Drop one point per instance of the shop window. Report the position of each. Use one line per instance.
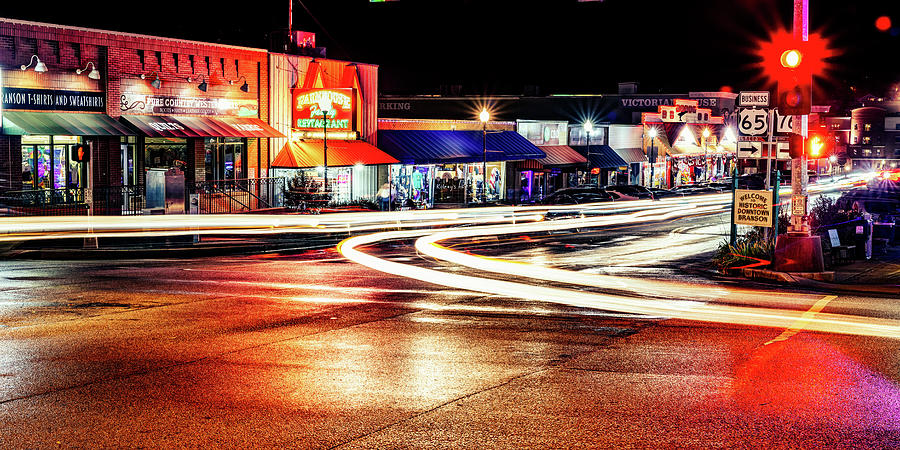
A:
(224, 159)
(165, 153)
(867, 152)
(47, 163)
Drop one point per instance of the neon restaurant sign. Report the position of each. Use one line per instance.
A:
(338, 105)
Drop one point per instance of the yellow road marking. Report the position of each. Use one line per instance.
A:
(804, 319)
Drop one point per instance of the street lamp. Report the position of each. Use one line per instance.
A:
(484, 116)
(325, 106)
(651, 157)
(705, 154)
(588, 127)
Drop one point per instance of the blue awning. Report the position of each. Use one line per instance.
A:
(444, 147)
(601, 156)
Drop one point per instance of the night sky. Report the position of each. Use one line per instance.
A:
(502, 47)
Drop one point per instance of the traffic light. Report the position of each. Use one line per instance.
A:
(795, 86)
(819, 145)
(80, 153)
(816, 146)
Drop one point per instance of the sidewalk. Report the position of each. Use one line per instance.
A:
(879, 275)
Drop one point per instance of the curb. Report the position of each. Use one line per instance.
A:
(819, 280)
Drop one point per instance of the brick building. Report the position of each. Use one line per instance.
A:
(137, 105)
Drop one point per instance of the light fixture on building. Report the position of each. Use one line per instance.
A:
(203, 86)
(156, 83)
(244, 87)
(39, 67)
(94, 74)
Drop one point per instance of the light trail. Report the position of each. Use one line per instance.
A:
(15, 229)
(688, 305)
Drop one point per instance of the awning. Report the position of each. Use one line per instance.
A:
(560, 155)
(201, 127)
(443, 146)
(308, 153)
(632, 155)
(68, 124)
(601, 156)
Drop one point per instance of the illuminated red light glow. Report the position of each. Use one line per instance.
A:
(777, 60)
(883, 23)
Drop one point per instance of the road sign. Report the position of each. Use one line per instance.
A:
(783, 124)
(753, 208)
(782, 153)
(754, 98)
(749, 150)
(798, 205)
(753, 122)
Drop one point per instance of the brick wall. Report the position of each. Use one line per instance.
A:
(121, 58)
(10, 163)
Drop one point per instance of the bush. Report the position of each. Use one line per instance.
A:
(825, 214)
(748, 249)
(303, 193)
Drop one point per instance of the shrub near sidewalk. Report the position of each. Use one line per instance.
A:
(754, 248)
(749, 249)
(303, 193)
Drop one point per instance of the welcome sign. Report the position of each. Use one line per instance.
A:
(339, 108)
(753, 208)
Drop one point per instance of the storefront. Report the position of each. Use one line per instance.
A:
(691, 145)
(451, 167)
(52, 135)
(326, 108)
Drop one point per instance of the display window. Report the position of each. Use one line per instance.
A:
(225, 158)
(165, 153)
(494, 178)
(47, 163)
(414, 185)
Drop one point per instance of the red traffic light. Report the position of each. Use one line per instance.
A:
(791, 59)
(80, 153)
(816, 146)
(819, 145)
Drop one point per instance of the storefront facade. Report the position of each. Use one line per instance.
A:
(447, 163)
(690, 144)
(327, 111)
(138, 104)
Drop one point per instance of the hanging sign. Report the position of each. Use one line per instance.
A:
(338, 104)
(753, 208)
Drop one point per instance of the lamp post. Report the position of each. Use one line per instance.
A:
(588, 127)
(705, 154)
(651, 157)
(484, 116)
(325, 106)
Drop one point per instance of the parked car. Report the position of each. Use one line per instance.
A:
(577, 196)
(665, 193)
(630, 192)
(693, 189)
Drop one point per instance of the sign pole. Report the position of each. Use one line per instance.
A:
(734, 186)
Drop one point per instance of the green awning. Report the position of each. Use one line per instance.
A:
(69, 124)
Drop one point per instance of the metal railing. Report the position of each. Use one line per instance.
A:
(239, 195)
(44, 202)
(107, 201)
(118, 200)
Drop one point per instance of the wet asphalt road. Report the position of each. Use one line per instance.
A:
(309, 350)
